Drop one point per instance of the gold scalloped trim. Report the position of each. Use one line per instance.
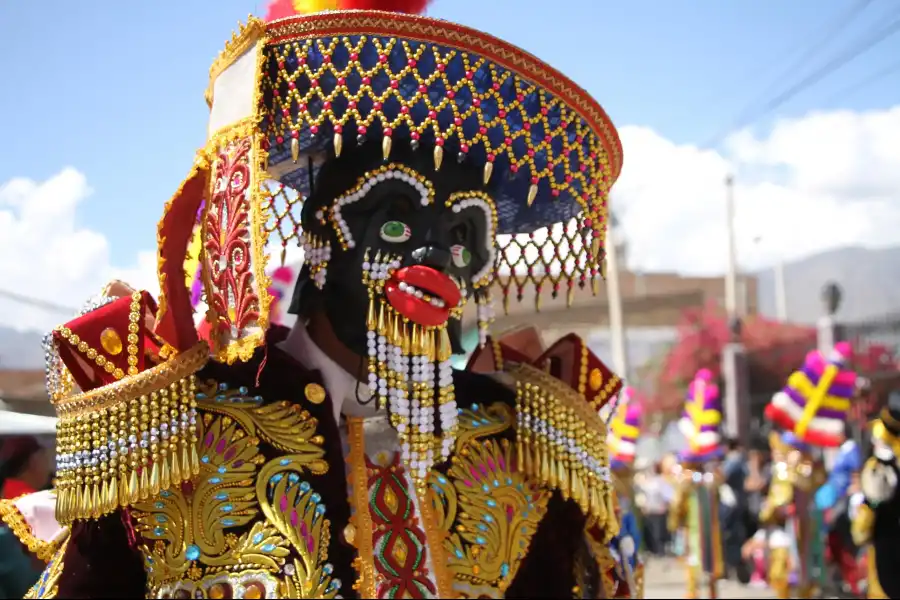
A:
(241, 41)
(15, 520)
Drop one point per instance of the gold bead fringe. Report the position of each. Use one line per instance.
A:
(551, 416)
(127, 441)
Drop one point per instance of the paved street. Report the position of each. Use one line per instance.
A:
(665, 578)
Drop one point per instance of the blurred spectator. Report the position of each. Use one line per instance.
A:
(734, 509)
(655, 496)
(25, 467)
(756, 485)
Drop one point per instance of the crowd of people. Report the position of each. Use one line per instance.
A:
(746, 474)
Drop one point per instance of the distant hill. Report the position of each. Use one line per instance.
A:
(870, 280)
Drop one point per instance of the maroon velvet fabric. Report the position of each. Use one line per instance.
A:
(101, 563)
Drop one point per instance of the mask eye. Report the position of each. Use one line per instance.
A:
(395, 232)
(461, 255)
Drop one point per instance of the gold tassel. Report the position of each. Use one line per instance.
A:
(144, 485)
(195, 460)
(338, 144)
(532, 193)
(386, 147)
(295, 150)
(133, 487)
(438, 157)
(154, 478)
(165, 479)
(488, 170)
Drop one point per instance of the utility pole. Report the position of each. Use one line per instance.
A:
(781, 309)
(614, 300)
(731, 271)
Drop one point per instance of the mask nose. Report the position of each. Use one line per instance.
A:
(432, 256)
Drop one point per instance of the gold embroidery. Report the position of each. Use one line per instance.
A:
(47, 585)
(188, 529)
(495, 512)
(315, 393)
(481, 421)
(361, 520)
(10, 515)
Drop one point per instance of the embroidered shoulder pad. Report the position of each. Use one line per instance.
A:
(27, 523)
(125, 399)
(561, 442)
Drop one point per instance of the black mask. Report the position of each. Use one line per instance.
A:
(390, 219)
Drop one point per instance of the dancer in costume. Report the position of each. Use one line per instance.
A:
(345, 456)
(876, 521)
(695, 506)
(812, 409)
(624, 429)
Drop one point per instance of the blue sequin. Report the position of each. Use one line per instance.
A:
(158, 531)
(482, 527)
(159, 505)
(162, 519)
(193, 552)
(475, 407)
(488, 519)
(228, 522)
(215, 480)
(328, 569)
(204, 459)
(227, 508)
(459, 553)
(293, 478)
(491, 502)
(243, 390)
(165, 494)
(480, 540)
(316, 498)
(257, 398)
(222, 469)
(277, 477)
(504, 570)
(222, 496)
(485, 487)
(257, 538)
(284, 462)
(442, 479)
(320, 509)
(304, 487)
(268, 548)
(496, 483)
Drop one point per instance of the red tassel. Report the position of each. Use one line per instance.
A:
(413, 7)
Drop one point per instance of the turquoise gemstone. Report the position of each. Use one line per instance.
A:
(320, 509)
(228, 522)
(222, 470)
(159, 505)
(221, 398)
(442, 479)
(193, 552)
(227, 508)
(284, 462)
(485, 488)
(222, 496)
(293, 478)
(488, 519)
(162, 519)
(158, 531)
(459, 553)
(165, 494)
(223, 386)
(215, 480)
(243, 390)
(480, 540)
(304, 487)
(316, 498)
(496, 483)
(277, 477)
(475, 407)
(200, 396)
(204, 459)
(257, 538)
(268, 548)
(491, 502)
(328, 569)
(475, 423)
(482, 527)
(504, 569)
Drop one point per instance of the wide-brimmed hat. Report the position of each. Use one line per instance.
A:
(289, 94)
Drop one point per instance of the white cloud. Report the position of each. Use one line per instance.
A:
(46, 256)
(811, 184)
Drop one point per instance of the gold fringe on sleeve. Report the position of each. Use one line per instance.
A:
(123, 442)
(16, 522)
(862, 525)
(561, 442)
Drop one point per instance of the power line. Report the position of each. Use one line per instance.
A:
(35, 303)
(874, 77)
(811, 79)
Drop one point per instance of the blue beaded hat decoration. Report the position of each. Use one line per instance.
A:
(290, 93)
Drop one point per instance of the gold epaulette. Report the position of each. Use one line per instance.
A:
(561, 442)
(126, 441)
(44, 550)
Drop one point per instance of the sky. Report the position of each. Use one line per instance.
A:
(102, 109)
